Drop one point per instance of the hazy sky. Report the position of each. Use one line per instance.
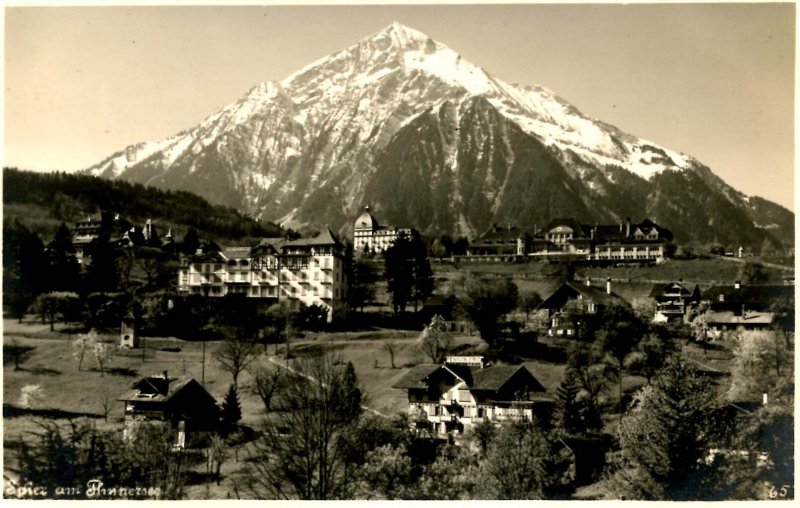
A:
(715, 81)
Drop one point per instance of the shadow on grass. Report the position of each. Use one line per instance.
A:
(122, 371)
(12, 411)
(41, 371)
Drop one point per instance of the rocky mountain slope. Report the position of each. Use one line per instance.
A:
(403, 123)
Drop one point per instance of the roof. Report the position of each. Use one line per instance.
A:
(572, 289)
(572, 223)
(490, 378)
(367, 221)
(236, 252)
(153, 387)
(730, 318)
(326, 237)
(496, 233)
(662, 289)
(750, 295)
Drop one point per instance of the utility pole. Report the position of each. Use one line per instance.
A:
(203, 369)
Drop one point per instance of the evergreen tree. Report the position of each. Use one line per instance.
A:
(664, 440)
(191, 242)
(487, 301)
(23, 268)
(567, 416)
(63, 266)
(408, 273)
(231, 412)
(349, 406)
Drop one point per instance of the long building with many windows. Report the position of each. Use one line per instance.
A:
(308, 271)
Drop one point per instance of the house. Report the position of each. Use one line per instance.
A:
(674, 301)
(573, 305)
(739, 298)
(464, 391)
(369, 236)
(309, 271)
(717, 322)
(501, 243)
(185, 404)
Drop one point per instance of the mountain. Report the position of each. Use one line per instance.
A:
(403, 123)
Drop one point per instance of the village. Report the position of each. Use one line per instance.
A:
(445, 344)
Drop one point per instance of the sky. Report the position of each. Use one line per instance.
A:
(715, 81)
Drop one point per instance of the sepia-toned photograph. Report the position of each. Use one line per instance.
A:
(399, 252)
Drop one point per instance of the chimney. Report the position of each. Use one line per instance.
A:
(764, 399)
(588, 281)
(627, 226)
(166, 375)
(608, 285)
(737, 284)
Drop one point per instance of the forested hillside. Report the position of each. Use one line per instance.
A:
(42, 201)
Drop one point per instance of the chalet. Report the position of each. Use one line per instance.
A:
(717, 322)
(574, 304)
(674, 301)
(464, 391)
(185, 404)
(371, 237)
(739, 298)
(309, 271)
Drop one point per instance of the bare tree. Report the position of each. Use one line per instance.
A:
(301, 453)
(101, 354)
(235, 354)
(83, 343)
(434, 341)
(391, 348)
(268, 382)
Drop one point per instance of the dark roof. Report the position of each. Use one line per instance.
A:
(572, 289)
(367, 221)
(154, 388)
(415, 378)
(661, 289)
(326, 237)
(749, 295)
(499, 233)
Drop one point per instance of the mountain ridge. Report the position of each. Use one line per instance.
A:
(309, 149)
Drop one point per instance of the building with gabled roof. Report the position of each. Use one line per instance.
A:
(464, 391)
(673, 301)
(185, 404)
(584, 300)
(306, 271)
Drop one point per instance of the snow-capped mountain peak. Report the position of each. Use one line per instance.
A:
(405, 121)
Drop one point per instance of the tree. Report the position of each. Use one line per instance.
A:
(522, 464)
(438, 250)
(235, 354)
(751, 273)
(101, 265)
(361, 284)
(84, 342)
(52, 304)
(761, 362)
(30, 396)
(16, 353)
(453, 475)
(385, 474)
(487, 301)
(434, 341)
(191, 242)
(407, 271)
(620, 331)
(231, 412)
(301, 451)
(567, 412)
(24, 267)
(101, 355)
(665, 437)
(529, 301)
(64, 271)
(267, 383)
(650, 354)
(390, 347)
(218, 454)
(594, 376)
(312, 317)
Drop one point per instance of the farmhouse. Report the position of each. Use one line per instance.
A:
(185, 404)
(451, 397)
(574, 304)
(305, 271)
(673, 301)
(369, 236)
